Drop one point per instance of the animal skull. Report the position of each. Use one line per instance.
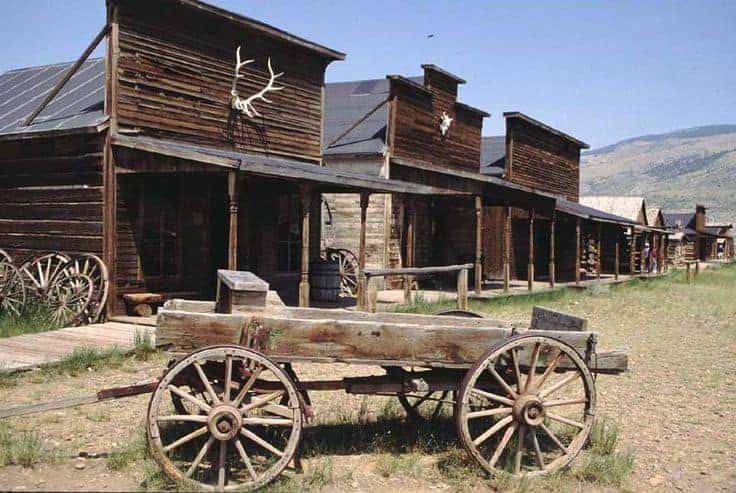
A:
(245, 106)
(445, 123)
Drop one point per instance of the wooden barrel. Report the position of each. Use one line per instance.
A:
(324, 281)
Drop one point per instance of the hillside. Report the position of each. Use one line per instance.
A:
(673, 170)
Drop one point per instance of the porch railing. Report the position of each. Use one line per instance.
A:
(370, 292)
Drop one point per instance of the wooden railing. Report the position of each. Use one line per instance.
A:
(370, 292)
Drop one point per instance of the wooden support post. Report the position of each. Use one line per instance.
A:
(642, 257)
(552, 251)
(632, 252)
(232, 242)
(530, 262)
(599, 247)
(506, 249)
(306, 195)
(478, 278)
(577, 250)
(660, 258)
(618, 256)
(361, 291)
(697, 268)
(410, 234)
(462, 289)
(407, 290)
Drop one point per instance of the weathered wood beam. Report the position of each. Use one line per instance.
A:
(462, 289)
(361, 288)
(530, 263)
(415, 271)
(478, 245)
(552, 250)
(632, 252)
(577, 250)
(506, 248)
(232, 240)
(306, 197)
(72, 70)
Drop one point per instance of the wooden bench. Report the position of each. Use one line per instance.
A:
(143, 304)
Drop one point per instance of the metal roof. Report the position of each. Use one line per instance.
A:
(678, 220)
(628, 207)
(493, 155)
(586, 212)
(80, 104)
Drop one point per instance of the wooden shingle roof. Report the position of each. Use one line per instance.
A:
(628, 207)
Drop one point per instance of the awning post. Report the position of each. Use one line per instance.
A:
(232, 244)
(478, 245)
(361, 288)
(306, 196)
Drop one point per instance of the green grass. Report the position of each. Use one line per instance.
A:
(127, 455)
(33, 319)
(23, 448)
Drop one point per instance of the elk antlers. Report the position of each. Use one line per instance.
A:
(246, 105)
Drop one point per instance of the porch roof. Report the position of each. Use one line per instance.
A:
(586, 212)
(326, 179)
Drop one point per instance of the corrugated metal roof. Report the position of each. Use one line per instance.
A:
(78, 105)
(493, 155)
(628, 207)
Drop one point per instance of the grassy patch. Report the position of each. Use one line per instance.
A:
(23, 448)
(143, 346)
(392, 465)
(84, 359)
(34, 318)
(127, 455)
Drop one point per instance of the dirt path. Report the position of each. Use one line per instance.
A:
(676, 409)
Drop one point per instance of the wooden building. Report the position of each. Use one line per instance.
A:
(691, 238)
(164, 162)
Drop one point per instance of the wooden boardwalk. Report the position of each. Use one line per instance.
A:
(31, 350)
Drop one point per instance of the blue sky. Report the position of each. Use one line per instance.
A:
(602, 71)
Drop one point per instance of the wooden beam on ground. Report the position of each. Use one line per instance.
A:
(306, 196)
(478, 245)
(530, 263)
(72, 70)
(552, 251)
(361, 288)
(577, 250)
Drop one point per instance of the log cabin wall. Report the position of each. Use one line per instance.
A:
(416, 114)
(542, 160)
(51, 195)
(174, 80)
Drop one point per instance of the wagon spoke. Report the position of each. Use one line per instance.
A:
(553, 437)
(565, 420)
(519, 449)
(260, 441)
(502, 382)
(565, 402)
(221, 463)
(202, 452)
(537, 450)
(517, 372)
(206, 382)
(186, 438)
(262, 401)
(185, 395)
(489, 412)
(502, 444)
(228, 377)
(244, 390)
(557, 386)
(246, 460)
(493, 429)
(532, 367)
(268, 421)
(493, 397)
(195, 418)
(548, 371)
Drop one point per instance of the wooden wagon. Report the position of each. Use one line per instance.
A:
(229, 411)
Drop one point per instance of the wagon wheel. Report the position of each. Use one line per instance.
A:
(12, 289)
(426, 406)
(238, 436)
(41, 272)
(5, 257)
(518, 412)
(68, 300)
(348, 264)
(93, 267)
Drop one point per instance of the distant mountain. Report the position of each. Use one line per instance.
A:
(672, 170)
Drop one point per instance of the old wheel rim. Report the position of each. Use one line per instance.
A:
(242, 429)
(68, 299)
(348, 264)
(12, 289)
(41, 273)
(513, 424)
(93, 267)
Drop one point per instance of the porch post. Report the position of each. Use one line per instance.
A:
(232, 244)
(632, 253)
(552, 251)
(506, 248)
(306, 195)
(618, 255)
(599, 267)
(530, 263)
(577, 251)
(361, 302)
(478, 245)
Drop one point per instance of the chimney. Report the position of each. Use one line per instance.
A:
(699, 218)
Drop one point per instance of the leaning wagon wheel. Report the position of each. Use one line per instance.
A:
(93, 267)
(519, 413)
(426, 406)
(69, 298)
(5, 257)
(348, 263)
(41, 272)
(237, 435)
(12, 289)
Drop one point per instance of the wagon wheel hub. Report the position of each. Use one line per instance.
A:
(529, 410)
(224, 422)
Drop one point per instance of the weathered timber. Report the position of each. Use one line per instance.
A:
(414, 271)
(546, 319)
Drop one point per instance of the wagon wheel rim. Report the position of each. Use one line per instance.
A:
(515, 425)
(68, 300)
(12, 289)
(240, 437)
(41, 272)
(427, 406)
(348, 272)
(5, 257)
(92, 266)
